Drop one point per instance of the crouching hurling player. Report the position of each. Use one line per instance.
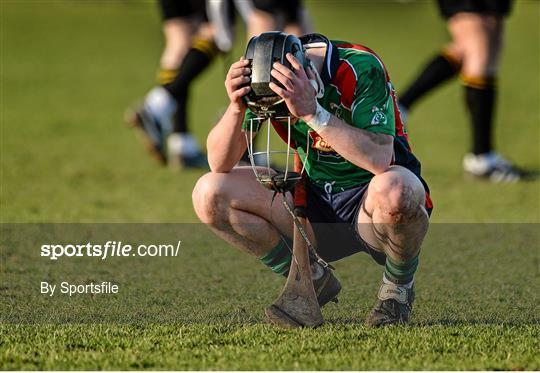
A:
(364, 189)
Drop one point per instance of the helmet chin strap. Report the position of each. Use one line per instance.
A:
(317, 82)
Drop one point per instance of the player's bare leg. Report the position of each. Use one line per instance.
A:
(240, 210)
(478, 40)
(259, 22)
(302, 26)
(393, 220)
(178, 33)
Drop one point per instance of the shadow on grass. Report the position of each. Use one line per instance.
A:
(444, 322)
(529, 175)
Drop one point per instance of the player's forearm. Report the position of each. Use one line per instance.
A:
(368, 150)
(226, 142)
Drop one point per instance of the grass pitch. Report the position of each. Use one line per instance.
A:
(68, 71)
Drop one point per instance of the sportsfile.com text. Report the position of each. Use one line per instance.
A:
(109, 249)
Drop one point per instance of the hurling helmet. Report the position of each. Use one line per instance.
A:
(262, 51)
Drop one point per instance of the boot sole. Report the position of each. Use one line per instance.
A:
(133, 120)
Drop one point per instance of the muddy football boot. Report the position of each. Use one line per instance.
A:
(327, 288)
(184, 152)
(393, 306)
(180, 162)
(150, 130)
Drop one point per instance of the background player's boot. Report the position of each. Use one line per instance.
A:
(197, 160)
(150, 130)
(153, 120)
(492, 166)
(393, 306)
(184, 152)
(327, 288)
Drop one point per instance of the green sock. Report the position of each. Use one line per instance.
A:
(400, 272)
(279, 259)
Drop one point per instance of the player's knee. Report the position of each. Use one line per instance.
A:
(173, 54)
(209, 199)
(478, 68)
(481, 61)
(453, 53)
(397, 194)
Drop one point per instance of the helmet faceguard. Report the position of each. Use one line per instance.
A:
(262, 51)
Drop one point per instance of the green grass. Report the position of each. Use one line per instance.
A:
(344, 347)
(476, 306)
(68, 70)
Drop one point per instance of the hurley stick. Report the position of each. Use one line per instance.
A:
(297, 304)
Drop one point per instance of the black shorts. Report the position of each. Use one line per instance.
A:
(333, 217)
(182, 8)
(290, 9)
(448, 8)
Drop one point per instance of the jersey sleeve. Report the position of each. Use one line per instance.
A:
(372, 108)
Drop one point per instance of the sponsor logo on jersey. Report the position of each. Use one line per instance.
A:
(319, 143)
(324, 152)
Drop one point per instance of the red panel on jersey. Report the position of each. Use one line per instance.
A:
(365, 49)
(282, 131)
(345, 81)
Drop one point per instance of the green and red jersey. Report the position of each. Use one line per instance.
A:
(359, 91)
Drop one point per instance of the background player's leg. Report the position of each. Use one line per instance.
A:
(478, 72)
(439, 69)
(180, 22)
(154, 118)
(481, 38)
(259, 22)
(183, 150)
(178, 32)
(296, 18)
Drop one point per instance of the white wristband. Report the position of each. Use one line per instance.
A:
(319, 122)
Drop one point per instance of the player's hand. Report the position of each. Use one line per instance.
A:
(299, 94)
(238, 76)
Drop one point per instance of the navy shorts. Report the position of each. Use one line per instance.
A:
(289, 9)
(449, 8)
(182, 8)
(333, 217)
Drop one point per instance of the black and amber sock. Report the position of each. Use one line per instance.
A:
(166, 76)
(197, 59)
(441, 68)
(480, 97)
(279, 258)
(400, 272)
